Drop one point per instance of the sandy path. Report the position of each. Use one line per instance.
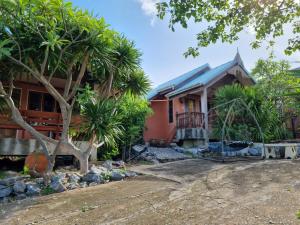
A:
(183, 192)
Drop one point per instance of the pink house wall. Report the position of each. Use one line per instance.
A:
(158, 126)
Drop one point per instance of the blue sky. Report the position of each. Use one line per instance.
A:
(163, 49)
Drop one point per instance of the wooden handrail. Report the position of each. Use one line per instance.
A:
(189, 120)
(41, 121)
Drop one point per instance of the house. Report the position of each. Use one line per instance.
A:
(40, 110)
(180, 106)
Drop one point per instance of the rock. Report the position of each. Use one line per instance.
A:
(9, 181)
(91, 177)
(58, 177)
(73, 178)
(32, 190)
(72, 186)
(39, 181)
(98, 170)
(138, 149)
(173, 145)
(130, 174)
(117, 175)
(119, 164)
(108, 165)
(82, 185)
(57, 186)
(21, 197)
(93, 184)
(19, 187)
(5, 191)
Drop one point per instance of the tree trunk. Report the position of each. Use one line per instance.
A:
(84, 163)
(124, 153)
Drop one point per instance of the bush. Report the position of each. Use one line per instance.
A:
(247, 105)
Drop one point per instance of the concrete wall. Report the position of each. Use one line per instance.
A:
(19, 147)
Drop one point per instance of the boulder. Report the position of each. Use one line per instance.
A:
(108, 165)
(98, 170)
(32, 190)
(119, 164)
(57, 186)
(130, 174)
(5, 191)
(9, 181)
(19, 187)
(91, 177)
(73, 178)
(58, 177)
(117, 175)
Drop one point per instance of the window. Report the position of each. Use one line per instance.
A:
(171, 111)
(48, 103)
(39, 101)
(35, 101)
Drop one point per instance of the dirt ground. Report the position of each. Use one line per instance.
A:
(183, 192)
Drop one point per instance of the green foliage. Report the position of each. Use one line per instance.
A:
(47, 191)
(101, 118)
(241, 123)
(54, 33)
(298, 214)
(25, 170)
(227, 19)
(108, 152)
(135, 83)
(134, 111)
(276, 84)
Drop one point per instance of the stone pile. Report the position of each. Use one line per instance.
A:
(21, 187)
(161, 155)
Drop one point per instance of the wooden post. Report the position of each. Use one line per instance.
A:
(204, 109)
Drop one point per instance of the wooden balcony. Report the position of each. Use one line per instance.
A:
(189, 120)
(41, 121)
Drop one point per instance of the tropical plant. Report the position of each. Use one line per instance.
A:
(278, 85)
(225, 20)
(43, 40)
(243, 112)
(101, 120)
(134, 111)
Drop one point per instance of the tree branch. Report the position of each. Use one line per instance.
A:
(43, 80)
(80, 76)
(43, 66)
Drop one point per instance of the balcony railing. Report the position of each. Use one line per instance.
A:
(41, 121)
(190, 120)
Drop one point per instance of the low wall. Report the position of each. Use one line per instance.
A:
(19, 147)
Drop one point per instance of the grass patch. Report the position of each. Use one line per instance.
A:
(298, 214)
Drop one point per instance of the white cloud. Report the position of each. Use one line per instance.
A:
(149, 8)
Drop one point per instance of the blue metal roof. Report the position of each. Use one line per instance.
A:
(195, 78)
(204, 78)
(171, 84)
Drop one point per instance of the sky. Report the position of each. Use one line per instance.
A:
(163, 49)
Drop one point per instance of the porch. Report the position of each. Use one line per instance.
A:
(190, 127)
